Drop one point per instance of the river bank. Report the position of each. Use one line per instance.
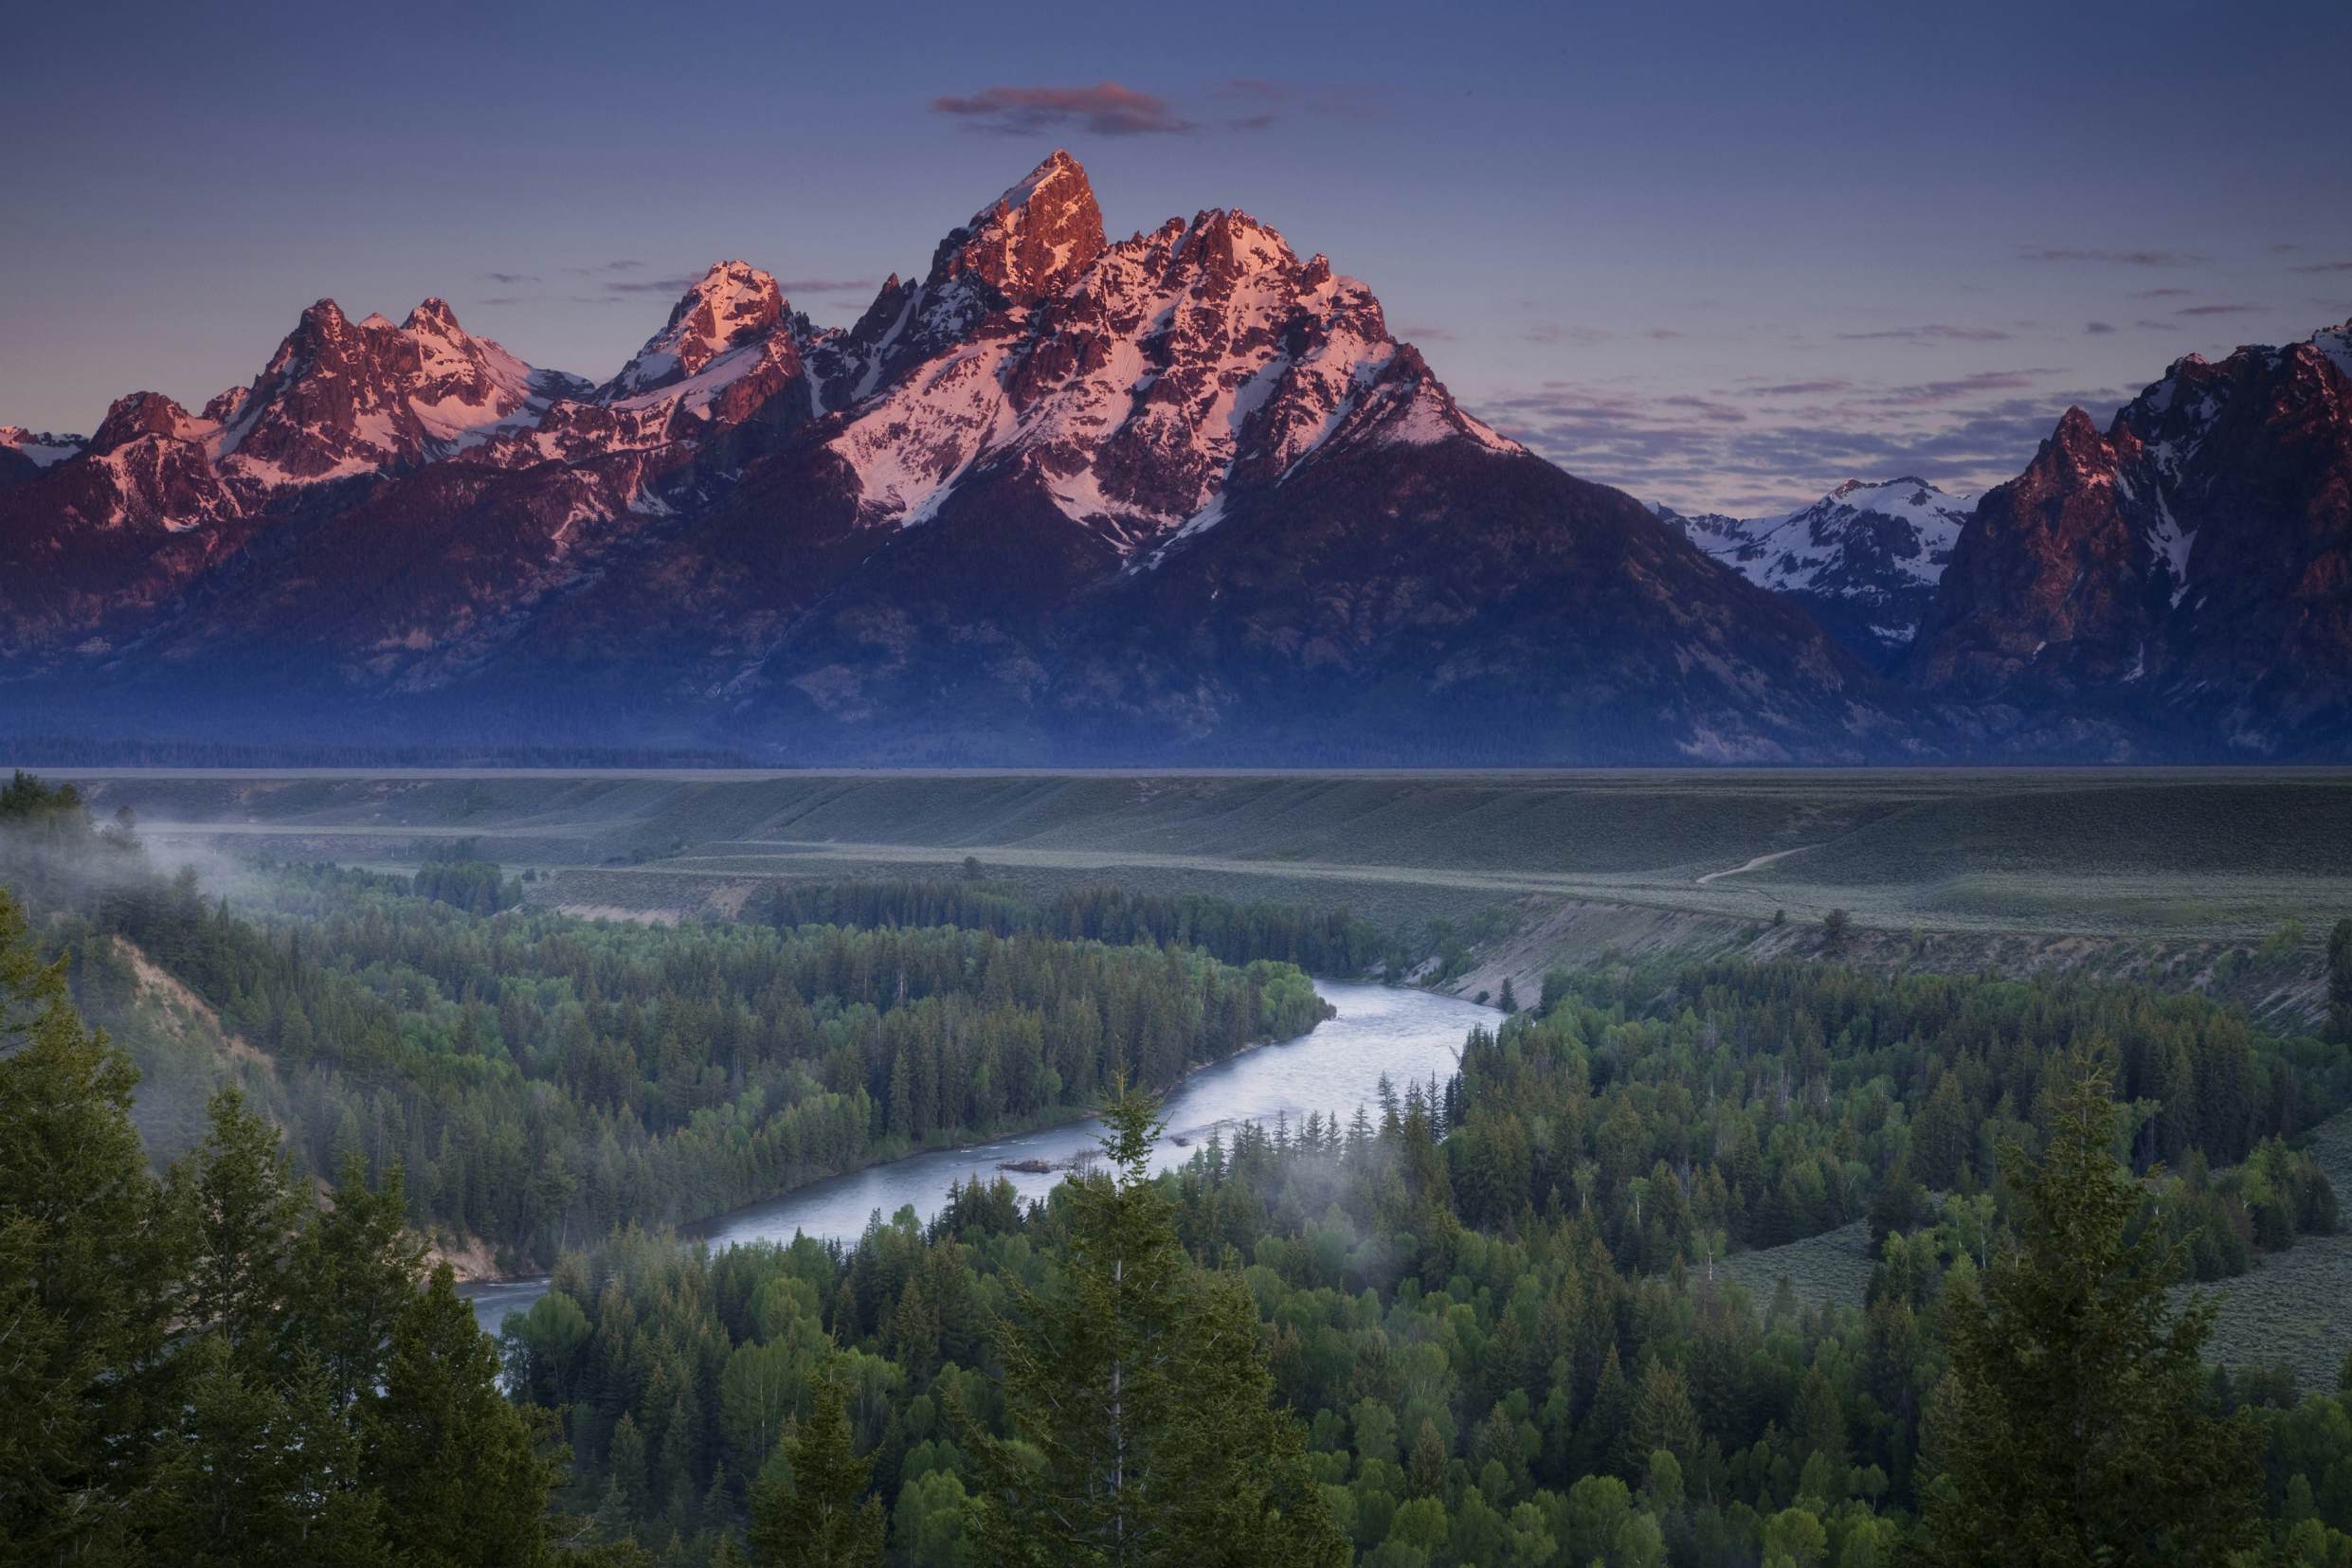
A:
(1397, 1033)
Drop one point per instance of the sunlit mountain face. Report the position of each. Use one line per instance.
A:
(1179, 495)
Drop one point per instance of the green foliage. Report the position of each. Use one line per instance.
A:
(2071, 1428)
(206, 1370)
(543, 1078)
(1837, 931)
(821, 1517)
(1329, 942)
(1139, 1398)
(88, 1263)
(474, 886)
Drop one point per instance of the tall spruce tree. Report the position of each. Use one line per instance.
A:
(89, 1260)
(462, 1479)
(2073, 1428)
(823, 1518)
(1141, 1398)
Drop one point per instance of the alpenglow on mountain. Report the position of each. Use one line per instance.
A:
(1055, 498)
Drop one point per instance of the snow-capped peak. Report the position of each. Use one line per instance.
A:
(1866, 556)
(41, 447)
(145, 414)
(1166, 370)
(1043, 232)
(2335, 343)
(732, 304)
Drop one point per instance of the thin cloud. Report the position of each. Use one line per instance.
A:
(2118, 258)
(1962, 387)
(825, 285)
(510, 278)
(1758, 449)
(2162, 293)
(1106, 109)
(1429, 334)
(1254, 103)
(1546, 332)
(652, 285)
(2220, 310)
(1804, 389)
(1933, 331)
(2099, 328)
(2322, 266)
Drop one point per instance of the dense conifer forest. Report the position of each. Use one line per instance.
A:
(1484, 1322)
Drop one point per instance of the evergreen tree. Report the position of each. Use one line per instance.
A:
(1140, 1393)
(819, 1520)
(2072, 1428)
(244, 1215)
(463, 1480)
(1836, 931)
(355, 1272)
(87, 1258)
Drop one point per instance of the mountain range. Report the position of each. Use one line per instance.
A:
(1177, 497)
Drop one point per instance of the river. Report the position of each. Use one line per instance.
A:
(1409, 1035)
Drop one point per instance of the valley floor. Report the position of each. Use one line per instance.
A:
(2220, 879)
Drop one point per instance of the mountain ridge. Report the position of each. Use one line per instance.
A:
(1170, 498)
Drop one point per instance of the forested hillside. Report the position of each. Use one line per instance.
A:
(544, 1079)
(1500, 1314)
(1486, 1321)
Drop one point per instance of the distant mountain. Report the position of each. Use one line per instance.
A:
(2187, 571)
(1864, 559)
(1181, 495)
(25, 453)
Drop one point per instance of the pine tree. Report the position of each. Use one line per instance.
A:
(88, 1254)
(1836, 931)
(244, 1213)
(463, 1480)
(1662, 1418)
(354, 1273)
(2071, 1428)
(819, 1520)
(1141, 1400)
(1425, 1466)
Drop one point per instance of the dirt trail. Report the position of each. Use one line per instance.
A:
(1759, 860)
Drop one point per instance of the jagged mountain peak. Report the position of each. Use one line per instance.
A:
(2335, 345)
(1164, 369)
(728, 306)
(1043, 231)
(434, 316)
(1864, 559)
(146, 414)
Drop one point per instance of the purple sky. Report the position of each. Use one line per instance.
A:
(1723, 255)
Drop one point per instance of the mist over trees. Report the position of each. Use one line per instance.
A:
(1504, 1318)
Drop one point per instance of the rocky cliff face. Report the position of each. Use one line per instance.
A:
(2188, 569)
(1177, 497)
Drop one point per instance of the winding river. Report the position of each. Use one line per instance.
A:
(1409, 1035)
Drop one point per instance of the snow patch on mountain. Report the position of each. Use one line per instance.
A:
(732, 304)
(41, 447)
